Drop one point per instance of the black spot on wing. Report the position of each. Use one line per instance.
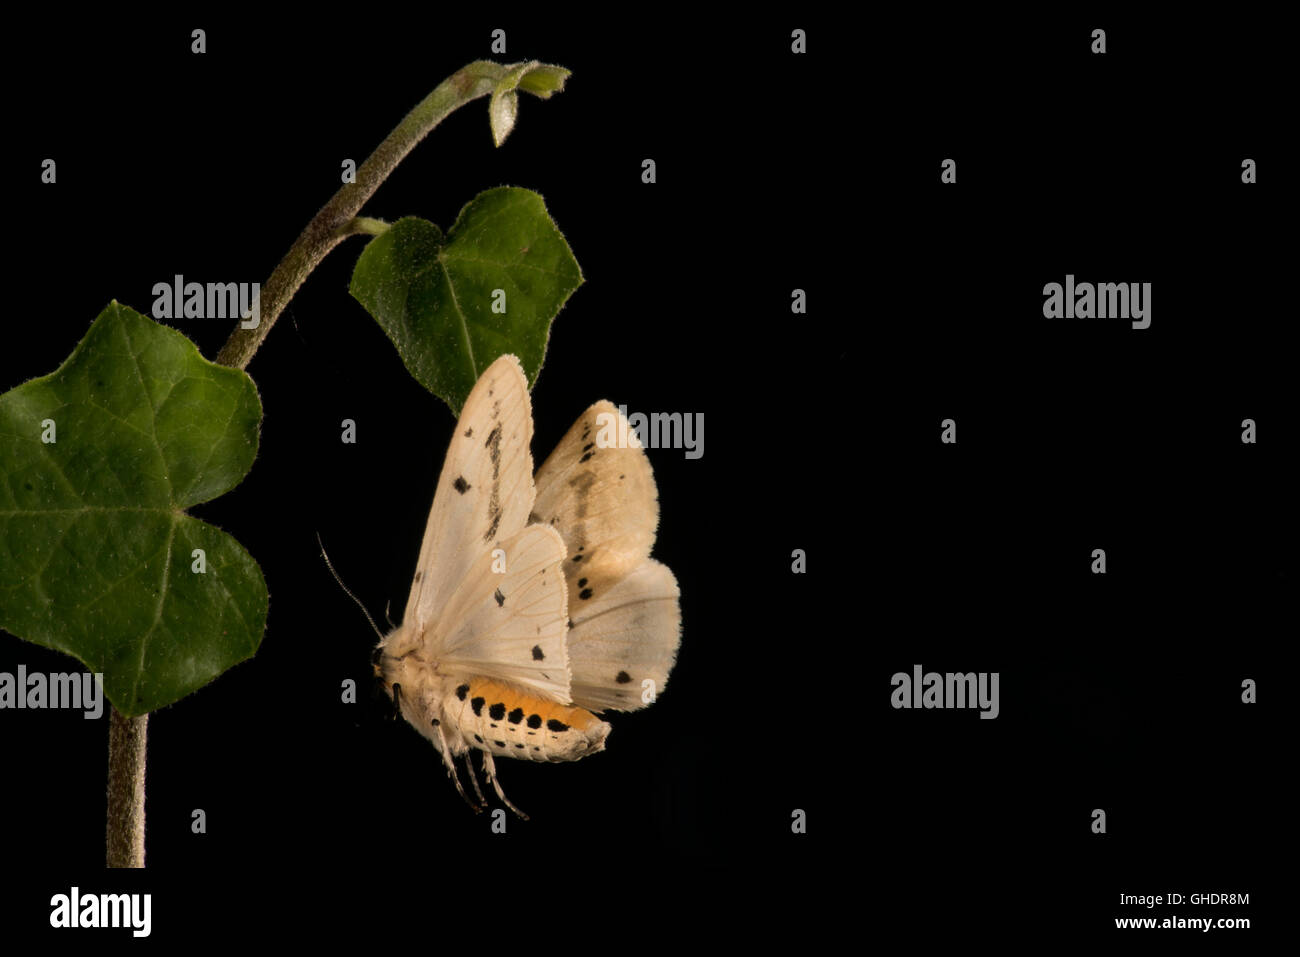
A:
(493, 445)
(537, 653)
(469, 433)
(581, 485)
(501, 599)
(582, 583)
(623, 677)
(585, 594)
(460, 485)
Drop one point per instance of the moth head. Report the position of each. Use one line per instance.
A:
(397, 665)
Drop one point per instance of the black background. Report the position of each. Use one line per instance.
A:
(925, 302)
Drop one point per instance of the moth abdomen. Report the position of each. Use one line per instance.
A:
(504, 720)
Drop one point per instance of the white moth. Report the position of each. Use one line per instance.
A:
(533, 605)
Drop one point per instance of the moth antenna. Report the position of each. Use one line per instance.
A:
(347, 591)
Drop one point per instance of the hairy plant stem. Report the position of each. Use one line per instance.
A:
(335, 221)
(126, 757)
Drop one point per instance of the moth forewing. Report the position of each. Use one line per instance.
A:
(485, 490)
(602, 500)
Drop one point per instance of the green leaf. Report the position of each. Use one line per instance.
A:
(96, 554)
(539, 79)
(434, 295)
(543, 79)
(502, 112)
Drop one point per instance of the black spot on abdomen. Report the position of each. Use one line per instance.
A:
(497, 711)
(477, 705)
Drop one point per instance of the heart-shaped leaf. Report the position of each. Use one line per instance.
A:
(97, 558)
(452, 304)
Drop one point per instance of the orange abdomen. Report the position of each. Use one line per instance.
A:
(499, 718)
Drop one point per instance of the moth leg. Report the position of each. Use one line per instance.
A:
(451, 769)
(397, 700)
(490, 769)
(387, 616)
(469, 769)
